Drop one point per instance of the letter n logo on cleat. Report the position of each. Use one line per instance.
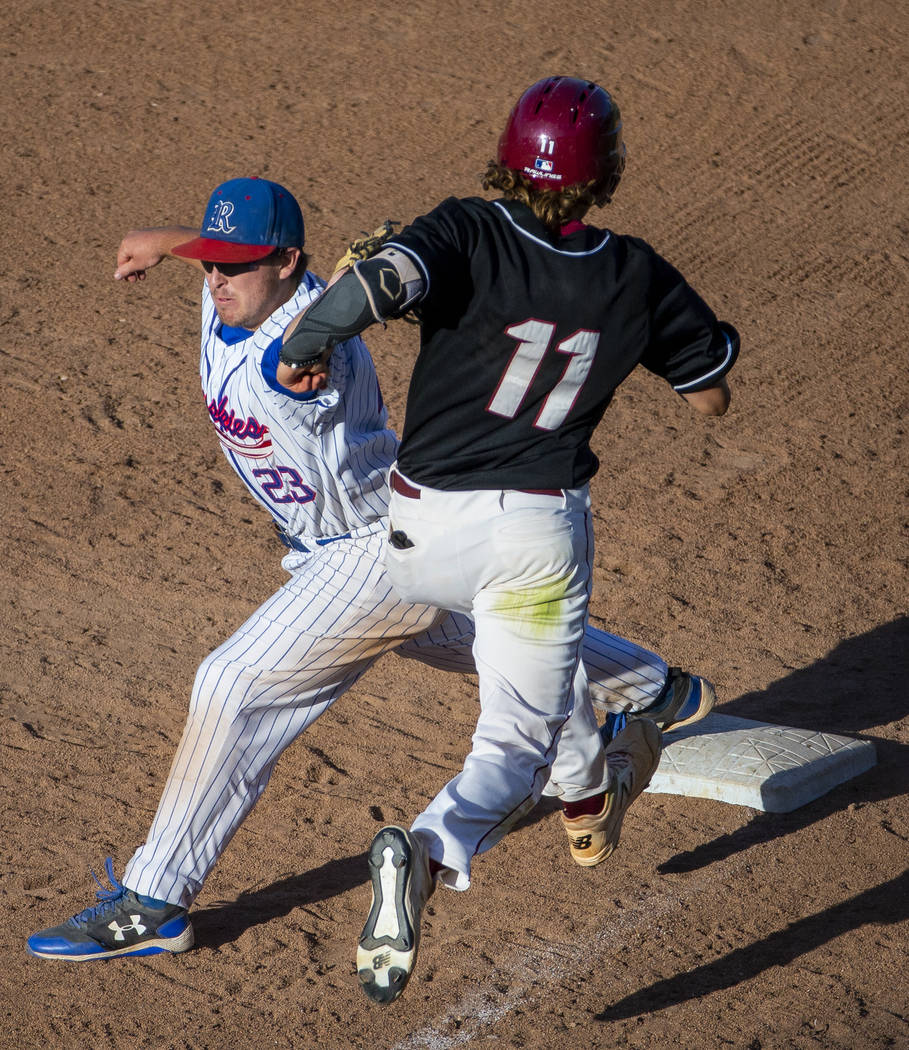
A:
(381, 960)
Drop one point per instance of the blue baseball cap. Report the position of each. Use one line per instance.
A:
(246, 219)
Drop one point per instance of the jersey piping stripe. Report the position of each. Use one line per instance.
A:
(546, 244)
(521, 807)
(720, 369)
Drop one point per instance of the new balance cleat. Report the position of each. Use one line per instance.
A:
(401, 886)
(121, 924)
(632, 758)
(684, 699)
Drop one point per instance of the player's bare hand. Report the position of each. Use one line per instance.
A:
(304, 380)
(140, 250)
(124, 273)
(710, 402)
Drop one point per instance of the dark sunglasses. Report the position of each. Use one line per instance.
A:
(233, 269)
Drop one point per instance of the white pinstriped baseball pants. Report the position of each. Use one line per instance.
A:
(302, 649)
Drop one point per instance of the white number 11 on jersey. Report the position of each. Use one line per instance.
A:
(533, 339)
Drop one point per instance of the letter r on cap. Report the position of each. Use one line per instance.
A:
(220, 221)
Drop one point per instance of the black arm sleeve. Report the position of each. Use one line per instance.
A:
(372, 291)
(339, 313)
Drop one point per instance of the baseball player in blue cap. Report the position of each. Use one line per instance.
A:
(316, 457)
(530, 319)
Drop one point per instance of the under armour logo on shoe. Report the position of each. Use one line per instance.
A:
(381, 960)
(120, 931)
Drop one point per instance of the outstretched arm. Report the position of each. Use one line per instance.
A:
(140, 250)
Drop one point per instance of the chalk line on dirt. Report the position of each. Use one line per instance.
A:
(478, 1012)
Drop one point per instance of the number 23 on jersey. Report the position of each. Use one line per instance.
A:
(284, 485)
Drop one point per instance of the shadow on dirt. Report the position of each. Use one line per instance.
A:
(886, 904)
(861, 684)
(223, 922)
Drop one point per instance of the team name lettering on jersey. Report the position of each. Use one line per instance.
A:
(247, 437)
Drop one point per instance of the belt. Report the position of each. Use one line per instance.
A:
(403, 489)
(296, 545)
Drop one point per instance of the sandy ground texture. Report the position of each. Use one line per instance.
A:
(766, 158)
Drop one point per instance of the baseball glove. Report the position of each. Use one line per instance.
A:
(365, 246)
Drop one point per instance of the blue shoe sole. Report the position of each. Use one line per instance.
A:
(56, 948)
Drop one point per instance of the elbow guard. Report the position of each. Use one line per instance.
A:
(391, 282)
(339, 313)
(375, 289)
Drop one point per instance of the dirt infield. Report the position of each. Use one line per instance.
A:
(766, 549)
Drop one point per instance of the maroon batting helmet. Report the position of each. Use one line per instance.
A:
(564, 131)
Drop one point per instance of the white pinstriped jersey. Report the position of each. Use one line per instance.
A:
(316, 462)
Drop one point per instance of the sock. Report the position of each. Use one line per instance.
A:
(585, 807)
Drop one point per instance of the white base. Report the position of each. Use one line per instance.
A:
(767, 767)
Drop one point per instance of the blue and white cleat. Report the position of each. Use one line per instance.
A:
(123, 923)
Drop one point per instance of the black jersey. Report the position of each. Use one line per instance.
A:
(524, 340)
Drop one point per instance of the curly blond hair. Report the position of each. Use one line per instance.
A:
(554, 208)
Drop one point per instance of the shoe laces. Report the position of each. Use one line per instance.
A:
(613, 725)
(109, 898)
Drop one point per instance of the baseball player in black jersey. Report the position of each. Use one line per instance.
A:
(530, 319)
